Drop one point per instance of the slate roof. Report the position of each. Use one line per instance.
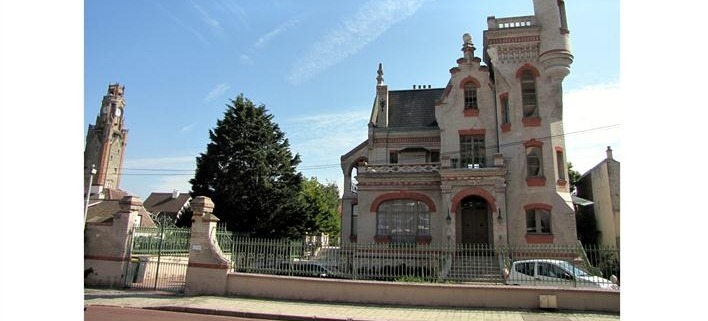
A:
(413, 108)
(163, 202)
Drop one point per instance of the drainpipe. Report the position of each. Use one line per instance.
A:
(496, 121)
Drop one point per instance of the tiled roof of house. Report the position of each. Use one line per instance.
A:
(163, 202)
(102, 211)
(413, 108)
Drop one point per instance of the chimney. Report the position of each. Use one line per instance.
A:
(609, 152)
(175, 193)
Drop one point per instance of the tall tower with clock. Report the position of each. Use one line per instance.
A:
(105, 144)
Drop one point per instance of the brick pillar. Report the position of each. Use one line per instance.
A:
(207, 269)
(107, 246)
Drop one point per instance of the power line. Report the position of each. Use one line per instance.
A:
(335, 165)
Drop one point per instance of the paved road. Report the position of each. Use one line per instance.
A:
(106, 313)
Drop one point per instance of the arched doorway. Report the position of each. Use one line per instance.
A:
(475, 223)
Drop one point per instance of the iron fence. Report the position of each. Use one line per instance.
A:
(478, 263)
(159, 258)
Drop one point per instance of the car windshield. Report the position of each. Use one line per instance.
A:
(569, 267)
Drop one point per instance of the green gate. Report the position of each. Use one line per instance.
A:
(159, 258)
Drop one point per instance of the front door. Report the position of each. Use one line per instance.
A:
(475, 225)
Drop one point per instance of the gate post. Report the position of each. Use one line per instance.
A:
(207, 268)
(107, 246)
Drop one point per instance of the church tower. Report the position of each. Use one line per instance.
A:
(105, 143)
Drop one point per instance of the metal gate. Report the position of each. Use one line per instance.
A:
(159, 258)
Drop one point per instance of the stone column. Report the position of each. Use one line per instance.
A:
(207, 268)
(107, 246)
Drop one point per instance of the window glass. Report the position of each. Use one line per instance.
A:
(472, 150)
(528, 94)
(550, 270)
(538, 221)
(393, 158)
(533, 162)
(525, 268)
(470, 96)
(403, 220)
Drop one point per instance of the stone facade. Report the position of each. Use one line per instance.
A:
(479, 161)
(105, 143)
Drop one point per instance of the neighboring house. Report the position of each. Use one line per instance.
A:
(479, 161)
(102, 211)
(170, 205)
(601, 185)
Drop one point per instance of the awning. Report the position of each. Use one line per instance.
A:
(580, 201)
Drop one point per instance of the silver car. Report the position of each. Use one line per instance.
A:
(553, 273)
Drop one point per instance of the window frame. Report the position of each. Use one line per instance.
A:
(539, 221)
(537, 152)
(403, 220)
(471, 100)
(473, 150)
(529, 94)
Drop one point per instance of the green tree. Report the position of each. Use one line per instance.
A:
(321, 207)
(249, 173)
(574, 176)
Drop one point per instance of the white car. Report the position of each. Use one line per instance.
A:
(553, 273)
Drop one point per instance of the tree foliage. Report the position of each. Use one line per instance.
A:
(321, 207)
(574, 176)
(249, 173)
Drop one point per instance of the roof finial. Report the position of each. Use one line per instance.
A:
(379, 78)
(467, 46)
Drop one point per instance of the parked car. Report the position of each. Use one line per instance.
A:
(310, 269)
(553, 273)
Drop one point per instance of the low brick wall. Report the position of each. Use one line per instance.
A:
(413, 294)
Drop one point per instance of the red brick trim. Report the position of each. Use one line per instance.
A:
(353, 238)
(533, 143)
(559, 149)
(472, 131)
(355, 202)
(474, 191)
(407, 140)
(561, 182)
(528, 67)
(531, 121)
(564, 31)
(461, 60)
(471, 79)
(503, 96)
(514, 40)
(539, 238)
(505, 128)
(106, 258)
(536, 206)
(382, 239)
(454, 70)
(403, 195)
(535, 181)
(471, 112)
(208, 266)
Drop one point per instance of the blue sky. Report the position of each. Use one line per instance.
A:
(313, 64)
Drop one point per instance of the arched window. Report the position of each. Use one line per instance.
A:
(470, 96)
(534, 163)
(528, 94)
(402, 220)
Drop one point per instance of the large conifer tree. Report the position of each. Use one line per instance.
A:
(249, 173)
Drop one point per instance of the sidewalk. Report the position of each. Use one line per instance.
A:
(291, 310)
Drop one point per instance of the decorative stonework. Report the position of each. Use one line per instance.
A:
(394, 168)
(518, 53)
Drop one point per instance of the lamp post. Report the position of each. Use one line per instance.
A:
(88, 190)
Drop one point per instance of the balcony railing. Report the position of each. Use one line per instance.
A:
(400, 168)
(511, 22)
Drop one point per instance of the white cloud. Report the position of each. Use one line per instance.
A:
(187, 128)
(218, 91)
(262, 41)
(184, 25)
(589, 115)
(207, 18)
(245, 59)
(322, 139)
(351, 35)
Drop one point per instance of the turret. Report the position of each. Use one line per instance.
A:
(554, 53)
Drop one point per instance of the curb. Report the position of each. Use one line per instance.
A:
(252, 315)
